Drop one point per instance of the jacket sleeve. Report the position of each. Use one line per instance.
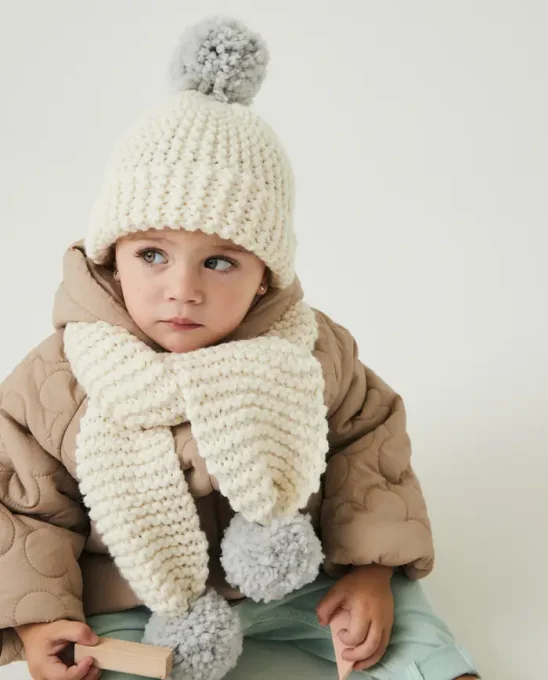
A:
(43, 525)
(373, 510)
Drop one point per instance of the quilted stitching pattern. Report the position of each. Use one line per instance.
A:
(373, 509)
(42, 524)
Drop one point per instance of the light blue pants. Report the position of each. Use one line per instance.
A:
(284, 639)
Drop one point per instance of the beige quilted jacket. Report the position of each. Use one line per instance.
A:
(52, 562)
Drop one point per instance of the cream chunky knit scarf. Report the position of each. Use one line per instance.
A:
(258, 416)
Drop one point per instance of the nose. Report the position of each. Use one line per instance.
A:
(184, 286)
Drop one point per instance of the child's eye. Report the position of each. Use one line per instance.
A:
(152, 256)
(224, 261)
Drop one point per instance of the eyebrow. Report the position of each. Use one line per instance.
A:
(234, 247)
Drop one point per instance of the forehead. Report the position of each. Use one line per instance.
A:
(184, 237)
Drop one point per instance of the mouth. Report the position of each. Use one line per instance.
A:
(182, 324)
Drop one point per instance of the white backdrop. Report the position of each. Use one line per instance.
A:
(418, 136)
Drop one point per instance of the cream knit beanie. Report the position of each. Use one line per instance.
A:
(203, 160)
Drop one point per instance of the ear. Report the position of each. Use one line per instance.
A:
(265, 283)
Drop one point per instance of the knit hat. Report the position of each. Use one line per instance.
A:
(203, 160)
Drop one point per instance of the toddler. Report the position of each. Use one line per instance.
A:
(196, 458)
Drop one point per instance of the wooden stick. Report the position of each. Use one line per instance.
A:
(128, 657)
(339, 622)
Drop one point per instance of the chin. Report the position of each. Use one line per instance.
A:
(181, 347)
(179, 344)
(190, 341)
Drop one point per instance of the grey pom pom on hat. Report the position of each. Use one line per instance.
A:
(220, 57)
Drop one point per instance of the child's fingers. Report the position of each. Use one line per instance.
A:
(328, 606)
(74, 631)
(376, 656)
(369, 645)
(79, 670)
(358, 627)
(57, 670)
(94, 673)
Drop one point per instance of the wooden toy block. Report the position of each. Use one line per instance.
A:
(128, 657)
(340, 621)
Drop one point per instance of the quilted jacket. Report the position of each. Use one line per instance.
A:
(53, 564)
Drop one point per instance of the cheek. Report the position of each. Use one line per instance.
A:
(233, 300)
(138, 294)
(230, 308)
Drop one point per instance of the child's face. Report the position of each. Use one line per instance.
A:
(172, 275)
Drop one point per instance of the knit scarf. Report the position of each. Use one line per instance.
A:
(257, 413)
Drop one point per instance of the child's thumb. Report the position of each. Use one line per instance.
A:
(80, 633)
(90, 637)
(87, 636)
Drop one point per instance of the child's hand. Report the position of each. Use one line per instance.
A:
(46, 650)
(366, 595)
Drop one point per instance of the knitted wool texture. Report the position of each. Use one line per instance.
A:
(259, 419)
(203, 160)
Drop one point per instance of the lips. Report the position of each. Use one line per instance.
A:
(182, 324)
